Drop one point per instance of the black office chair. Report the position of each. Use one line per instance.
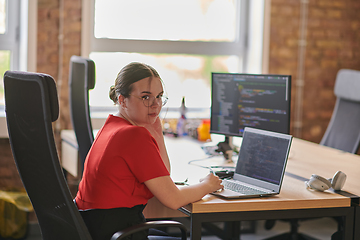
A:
(343, 133)
(31, 104)
(81, 80)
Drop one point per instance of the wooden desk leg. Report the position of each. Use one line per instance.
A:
(195, 227)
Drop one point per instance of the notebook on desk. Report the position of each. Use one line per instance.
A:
(260, 166)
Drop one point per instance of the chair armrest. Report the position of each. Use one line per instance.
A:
(151, 224)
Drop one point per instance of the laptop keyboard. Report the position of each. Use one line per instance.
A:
(237, 186)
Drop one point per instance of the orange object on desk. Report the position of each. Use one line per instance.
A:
(204, 130)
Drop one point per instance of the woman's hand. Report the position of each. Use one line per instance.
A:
(213, 182)
(155, 130)
(173, 197)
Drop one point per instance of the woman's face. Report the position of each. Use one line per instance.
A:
(136, 108)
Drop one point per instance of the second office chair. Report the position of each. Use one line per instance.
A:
(81, 80)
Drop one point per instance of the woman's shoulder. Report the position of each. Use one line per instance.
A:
(135, 130)
(120, 126)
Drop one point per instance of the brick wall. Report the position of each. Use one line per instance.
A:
(9, 177)
(59, 37)
(332, 43)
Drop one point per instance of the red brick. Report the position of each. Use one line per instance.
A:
(329, 63)
(334, 14)
(333, 53)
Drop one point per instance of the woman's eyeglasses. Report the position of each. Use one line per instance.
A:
(150, 100)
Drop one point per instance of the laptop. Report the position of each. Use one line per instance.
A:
(260, 166)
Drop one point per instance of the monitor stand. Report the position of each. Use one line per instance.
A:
(226, 148)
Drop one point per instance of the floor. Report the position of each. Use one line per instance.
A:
(321, 229)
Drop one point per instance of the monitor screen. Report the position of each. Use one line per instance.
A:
(250, 100)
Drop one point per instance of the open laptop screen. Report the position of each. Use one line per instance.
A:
(262, 157)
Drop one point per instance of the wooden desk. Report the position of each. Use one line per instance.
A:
(308, 158)
(317, 157)
(294, 201)
(326, 161)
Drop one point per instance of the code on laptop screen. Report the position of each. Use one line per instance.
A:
(263, 157)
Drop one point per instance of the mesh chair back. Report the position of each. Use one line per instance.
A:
(81, 80)
(31, 104)
(343, 131)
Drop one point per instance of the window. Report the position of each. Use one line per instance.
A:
(9, 39)
(18, 31)
(183, 40)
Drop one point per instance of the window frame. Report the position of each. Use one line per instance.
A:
(27, 48)
(252, 16)
(10, 40)
(166, 47)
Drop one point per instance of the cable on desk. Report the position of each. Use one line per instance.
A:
(210, 167)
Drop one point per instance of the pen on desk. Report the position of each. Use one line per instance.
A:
(212, 171)
(182, 183)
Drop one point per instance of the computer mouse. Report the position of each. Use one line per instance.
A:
(224, 174)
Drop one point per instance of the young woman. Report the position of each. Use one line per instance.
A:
(128, 162)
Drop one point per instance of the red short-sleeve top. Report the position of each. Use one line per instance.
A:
(121, 159)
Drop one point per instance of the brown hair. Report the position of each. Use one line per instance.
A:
(128, 75)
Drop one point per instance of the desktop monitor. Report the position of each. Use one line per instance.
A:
(260, 101)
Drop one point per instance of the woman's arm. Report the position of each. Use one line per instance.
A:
(164, 188)
(173, 197)
(157, 133)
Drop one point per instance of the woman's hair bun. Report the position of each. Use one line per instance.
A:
(112, 94)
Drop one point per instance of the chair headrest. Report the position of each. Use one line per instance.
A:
(89, 66)
(347, 84)
(91, 74)
(43, 79)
